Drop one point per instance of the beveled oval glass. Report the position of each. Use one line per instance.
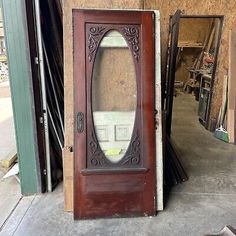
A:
(114, 96)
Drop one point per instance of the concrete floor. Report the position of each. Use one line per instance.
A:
(7, 130)
(202, 205)
(9, 188)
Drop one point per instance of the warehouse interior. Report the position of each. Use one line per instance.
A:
(198, 44)
(196, 64)
(203, 101)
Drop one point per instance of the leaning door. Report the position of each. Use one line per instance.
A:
(171, 67)
(114, 102)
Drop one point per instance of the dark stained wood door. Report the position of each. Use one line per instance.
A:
(171, 68)
(127, 187)
(33, 47)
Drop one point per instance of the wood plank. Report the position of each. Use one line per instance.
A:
(9, 159)
(68, 179)
(190, 44)
(209, 43)
(231, 87)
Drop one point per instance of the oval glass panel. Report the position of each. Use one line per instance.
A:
(114, 96)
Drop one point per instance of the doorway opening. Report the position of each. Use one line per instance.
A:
(207, 160)
(196, 61)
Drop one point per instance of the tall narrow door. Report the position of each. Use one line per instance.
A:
(171, 68)
(114, 102)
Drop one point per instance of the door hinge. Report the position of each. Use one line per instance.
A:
(155, 202)
(41, 120)
(156, 119)
(36, 60)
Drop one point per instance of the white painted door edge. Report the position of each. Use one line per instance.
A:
(159, 143)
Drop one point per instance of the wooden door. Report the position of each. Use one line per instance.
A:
(171, 67)
(114, 145)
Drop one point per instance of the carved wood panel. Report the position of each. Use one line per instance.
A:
(94, 35)
(96, 32)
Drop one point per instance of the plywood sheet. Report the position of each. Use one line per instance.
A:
(193, 30)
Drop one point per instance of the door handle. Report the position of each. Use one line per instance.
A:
(80, 122)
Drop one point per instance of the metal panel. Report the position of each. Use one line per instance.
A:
(22, 94)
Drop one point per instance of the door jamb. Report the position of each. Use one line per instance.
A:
(221, 17)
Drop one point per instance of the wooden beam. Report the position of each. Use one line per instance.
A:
(9, 159)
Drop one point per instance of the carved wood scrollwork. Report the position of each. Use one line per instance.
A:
(132, 156)
(132, 35)
(95, 34)
(98, 159)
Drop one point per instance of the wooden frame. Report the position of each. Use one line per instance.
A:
(221, 17)
(18, 52)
